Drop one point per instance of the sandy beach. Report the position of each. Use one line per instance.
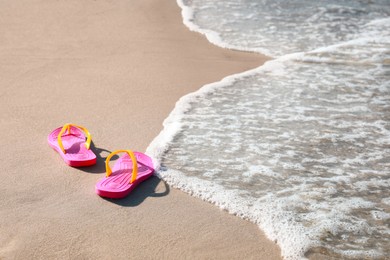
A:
(117, 68)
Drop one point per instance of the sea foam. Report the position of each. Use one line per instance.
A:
(300, 146)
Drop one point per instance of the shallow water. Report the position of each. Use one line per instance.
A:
(301, 145)
(280, 27)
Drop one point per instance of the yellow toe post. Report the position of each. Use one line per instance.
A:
(67, 127)
(133, 159)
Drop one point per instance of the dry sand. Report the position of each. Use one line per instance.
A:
(117, 68)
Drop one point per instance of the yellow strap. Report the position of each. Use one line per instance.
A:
(67, 127)
(133, 159)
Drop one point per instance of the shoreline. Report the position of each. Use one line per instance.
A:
(117, 69)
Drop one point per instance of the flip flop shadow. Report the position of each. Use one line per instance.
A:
(144, 190)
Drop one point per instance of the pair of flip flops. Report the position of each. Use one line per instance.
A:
(73, 143)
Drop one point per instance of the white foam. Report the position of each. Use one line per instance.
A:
(293, 238)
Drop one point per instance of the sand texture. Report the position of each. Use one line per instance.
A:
(117, 68)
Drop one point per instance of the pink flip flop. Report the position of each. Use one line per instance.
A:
(72, 145)
(123, 177)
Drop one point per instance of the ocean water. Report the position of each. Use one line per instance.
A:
(301, 145)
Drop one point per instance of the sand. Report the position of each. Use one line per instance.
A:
(117, 68)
